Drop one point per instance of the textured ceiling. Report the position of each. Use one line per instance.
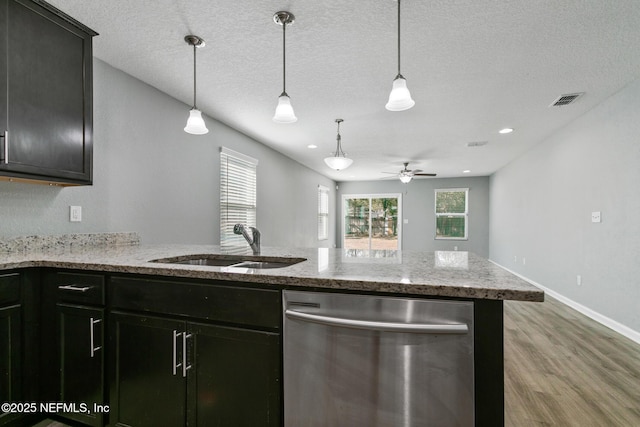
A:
(473, 67)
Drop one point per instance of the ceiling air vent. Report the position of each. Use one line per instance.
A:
(566, 99)
(477, 143)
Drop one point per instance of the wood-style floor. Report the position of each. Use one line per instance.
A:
(565, 369)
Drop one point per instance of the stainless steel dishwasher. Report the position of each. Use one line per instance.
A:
(371, 361)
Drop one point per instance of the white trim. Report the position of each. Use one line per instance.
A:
(244, 157)
(603, 320)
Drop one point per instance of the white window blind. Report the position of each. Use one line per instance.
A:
(237, 197)
(323, 212)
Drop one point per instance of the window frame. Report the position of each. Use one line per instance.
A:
(464, 215)
(323, 217)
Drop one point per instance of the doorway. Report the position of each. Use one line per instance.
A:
(371, 222)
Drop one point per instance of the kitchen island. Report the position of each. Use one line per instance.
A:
(116, 286)
(455, 274)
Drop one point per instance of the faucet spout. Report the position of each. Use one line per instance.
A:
(253, 239)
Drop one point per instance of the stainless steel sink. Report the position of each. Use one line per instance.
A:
(235, 261)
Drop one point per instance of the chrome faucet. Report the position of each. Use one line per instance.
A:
(253, 240)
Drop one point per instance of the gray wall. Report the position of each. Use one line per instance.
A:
(153, 178)
(541, 207)
(418, 206)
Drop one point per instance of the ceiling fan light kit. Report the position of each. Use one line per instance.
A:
(400, 97)
(284, 110)
(406, 175)
(195, 123)
(339, 160)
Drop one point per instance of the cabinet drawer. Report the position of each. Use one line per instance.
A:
(9, 288)
(216, 302)
(80, 288)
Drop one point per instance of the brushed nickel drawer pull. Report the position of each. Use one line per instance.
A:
(76, 288)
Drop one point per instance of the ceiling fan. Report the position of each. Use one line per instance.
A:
(406, 175)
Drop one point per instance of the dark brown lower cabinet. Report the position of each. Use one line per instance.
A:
(10, 354)
(175, 372)
(10, 343)
(82, 361)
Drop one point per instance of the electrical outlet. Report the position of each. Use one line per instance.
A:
(515, 258)
(75, 213)
(524, 261)
(595, 217)
(579, 280)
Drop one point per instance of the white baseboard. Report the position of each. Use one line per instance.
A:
(604, 320)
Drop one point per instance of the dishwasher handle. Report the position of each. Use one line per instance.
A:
(418, 328)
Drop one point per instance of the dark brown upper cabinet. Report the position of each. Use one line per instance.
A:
(46, 95)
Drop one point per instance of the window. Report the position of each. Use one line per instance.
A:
(323, 212)
(452, 213)
(237, 197)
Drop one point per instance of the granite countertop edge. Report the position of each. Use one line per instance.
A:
(414, 274)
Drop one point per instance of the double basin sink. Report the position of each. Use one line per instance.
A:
(234, 261)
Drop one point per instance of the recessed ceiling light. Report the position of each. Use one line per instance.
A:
(312, 146)
(466, 171)
(505, 130)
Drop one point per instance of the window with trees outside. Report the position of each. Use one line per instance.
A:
(238, 175)
(323, 212)
(371, 222)
(452, 213)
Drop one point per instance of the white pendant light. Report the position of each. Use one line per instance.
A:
(399, 98)
(339, 160)
(195, 123)
(284, 110)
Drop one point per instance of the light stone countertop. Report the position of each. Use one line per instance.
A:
(441, 273)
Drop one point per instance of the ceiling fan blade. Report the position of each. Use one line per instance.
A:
(416, 171)
(424, 174)
(393, 173)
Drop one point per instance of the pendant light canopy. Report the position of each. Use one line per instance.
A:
(339, 160)
(195, 123)
(284, 110)
(399, 98)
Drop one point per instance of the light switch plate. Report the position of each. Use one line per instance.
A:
(595, 217)
(75, 213)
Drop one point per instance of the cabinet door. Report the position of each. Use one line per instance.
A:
(10, 350)
(147, 386)
(80, 332)
(49, 95)
(234, 378)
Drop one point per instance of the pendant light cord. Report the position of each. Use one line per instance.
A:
(284, 58)
(399, 39)
(338, 140)
(194, 77)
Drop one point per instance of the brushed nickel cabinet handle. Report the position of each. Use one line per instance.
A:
(185, 367)
(176, 365)
(92, 323)
(5, 150)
